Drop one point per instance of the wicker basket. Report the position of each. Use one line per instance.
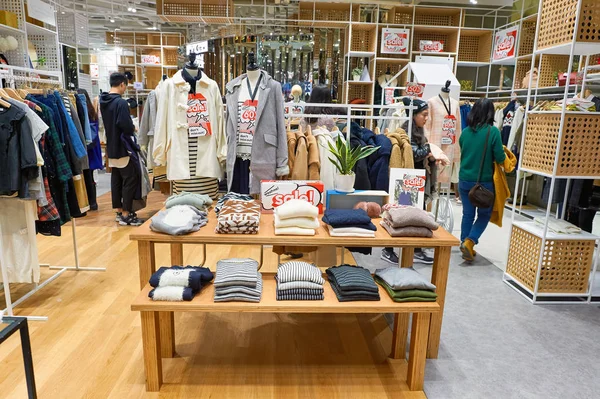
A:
(565, 268)
(579, 149)
(557, 27)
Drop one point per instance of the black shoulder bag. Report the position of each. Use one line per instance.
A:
(480, 196)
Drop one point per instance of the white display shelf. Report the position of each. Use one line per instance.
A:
(506, 61)
(38, 30)
(360, 54)
(565, 49)
(472, 64)
(393, 60)
(360, 82)
(538, 230)
(5, 29)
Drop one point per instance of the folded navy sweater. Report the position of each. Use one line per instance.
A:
(348, 218)
(179, 276)
(352, 278)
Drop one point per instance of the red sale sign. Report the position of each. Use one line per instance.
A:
(415, 89)
(394, 41)
(431, 46)
(505, 43)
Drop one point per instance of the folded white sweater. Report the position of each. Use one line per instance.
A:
(296, 208)
(305, 223)
(293, 231)
(350, 232)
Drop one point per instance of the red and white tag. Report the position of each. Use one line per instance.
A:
(414, 89)
(449, 130)
(197, 116)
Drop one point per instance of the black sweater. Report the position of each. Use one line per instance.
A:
(117, 121)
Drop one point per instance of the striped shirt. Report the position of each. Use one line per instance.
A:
(299, 271)
(198, 185)
(352, 278)
(236, 272)
(240, 294)
(297, 284)
(286, 296)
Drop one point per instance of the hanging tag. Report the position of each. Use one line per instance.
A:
(246, 125)
(388, 96)
(449, 130)
(197, 116)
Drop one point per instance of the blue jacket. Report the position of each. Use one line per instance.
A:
(361, 169)
(379, 162)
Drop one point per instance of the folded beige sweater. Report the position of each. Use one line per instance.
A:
(408, 231)
(305, 223)
(410, 216)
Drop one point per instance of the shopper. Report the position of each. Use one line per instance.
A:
(421, 154)
(473, 147)
(125, 177)
(321, 95)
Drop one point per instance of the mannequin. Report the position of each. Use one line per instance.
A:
(189, 134)
(296, 106)
(382, 80)
(443, 129)
(257, 141)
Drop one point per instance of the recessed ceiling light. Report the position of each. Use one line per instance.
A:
(112, 20)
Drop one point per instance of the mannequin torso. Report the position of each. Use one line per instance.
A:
(252, 78)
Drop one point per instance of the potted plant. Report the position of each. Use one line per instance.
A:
(344, 159)
(356, 73)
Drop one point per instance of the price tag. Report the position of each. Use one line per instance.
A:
(197, 116)
(246, 126)
(449, 129)
(415, 89)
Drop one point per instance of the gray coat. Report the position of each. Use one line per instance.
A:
(269, 157)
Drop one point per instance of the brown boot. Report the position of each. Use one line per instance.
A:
(468, 253)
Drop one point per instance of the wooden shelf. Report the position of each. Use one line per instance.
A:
(204, 302)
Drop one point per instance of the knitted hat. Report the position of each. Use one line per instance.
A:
(420, 104)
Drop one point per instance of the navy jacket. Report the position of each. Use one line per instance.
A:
(379, 162)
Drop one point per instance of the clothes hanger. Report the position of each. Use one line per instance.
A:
(4, 104)
(377, 130)
(13, 94)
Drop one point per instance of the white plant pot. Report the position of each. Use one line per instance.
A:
(356, 78)
(344, 183)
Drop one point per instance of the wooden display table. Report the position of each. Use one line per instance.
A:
(157, 317)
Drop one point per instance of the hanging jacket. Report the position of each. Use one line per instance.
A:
(171, 145)
(327, 170)
(401, 155)
(501, 186)
(299, 167)
(148, 120)
(361, 169)
(379, 162)
(269, 145)
(314, 158)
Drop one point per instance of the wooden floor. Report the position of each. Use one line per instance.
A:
(91, 345)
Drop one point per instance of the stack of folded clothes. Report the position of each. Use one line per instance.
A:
(296, 217)
(238, 217)
(299, 281)
(228, 196)
(179, 219)
(349, 223)
(405, 284)
(408, 222)
(352, 283)
(199, 201)
(178, 283)
(238, 280)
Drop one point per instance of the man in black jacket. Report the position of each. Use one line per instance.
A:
(125, 177)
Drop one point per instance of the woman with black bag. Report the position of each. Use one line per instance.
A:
(480, 146)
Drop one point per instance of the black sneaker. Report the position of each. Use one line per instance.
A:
(422, 257)
(390, 256)
(118, 217)
(130, 220)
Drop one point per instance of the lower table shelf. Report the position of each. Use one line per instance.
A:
(203, 302)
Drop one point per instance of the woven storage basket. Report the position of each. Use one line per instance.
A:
(566, 263)
(579, 150)
(557, 22)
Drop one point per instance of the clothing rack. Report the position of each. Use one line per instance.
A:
(7, 73)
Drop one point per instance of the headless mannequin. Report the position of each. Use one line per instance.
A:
(191, 67)
(385, 78)
(252, 78)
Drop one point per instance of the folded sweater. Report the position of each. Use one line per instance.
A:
(303, 222)
(232, 272)
(240, 294)
(228, 196)
(403, 278)
(296, 208)
(297, 284)
(239, 217)
(350, 232)
(299, 271)
(401, 298)
(408, 231)
(410, 216)
(199, 201)
(293, 231)
(347, 218)
(173, 294)
(178, 276)
(180, 219)
(286, 296)
(353, 296)
(352, 278)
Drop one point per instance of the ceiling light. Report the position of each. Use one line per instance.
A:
(129, 9)
(133, 10)
(62, 12)
(112, 20)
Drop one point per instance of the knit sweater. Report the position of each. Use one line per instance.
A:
(240, 272)
(299, 271)
(200, 201)
(398, 296)
(352, 278)
(472, 143)
(410, 216)
(189, 276)
(409, 231)
(403, 278)
(348, 218)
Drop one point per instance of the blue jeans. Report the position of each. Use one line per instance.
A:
(471, 228)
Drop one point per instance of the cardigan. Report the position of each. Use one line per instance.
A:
(171, 129)
(269, 156)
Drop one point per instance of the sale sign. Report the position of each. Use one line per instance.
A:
(505, 43)
(394, 41)
(431, 46)
(150, 59)
(415, 89)
(274, 193)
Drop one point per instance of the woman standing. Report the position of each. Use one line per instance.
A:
(479, 140)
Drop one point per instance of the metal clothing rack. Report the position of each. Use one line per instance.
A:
(8, 73)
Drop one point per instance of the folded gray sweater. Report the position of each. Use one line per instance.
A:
(410, 216)
(180, 219)
(404, 278)
(199, 201)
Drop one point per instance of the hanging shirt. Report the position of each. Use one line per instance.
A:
(508, 115)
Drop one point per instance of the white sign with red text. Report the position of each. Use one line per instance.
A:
(274, 193)
(505, 43)
(431, 46)
(415, 89)
(407, 187)
(394, 41)
(150, 59)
